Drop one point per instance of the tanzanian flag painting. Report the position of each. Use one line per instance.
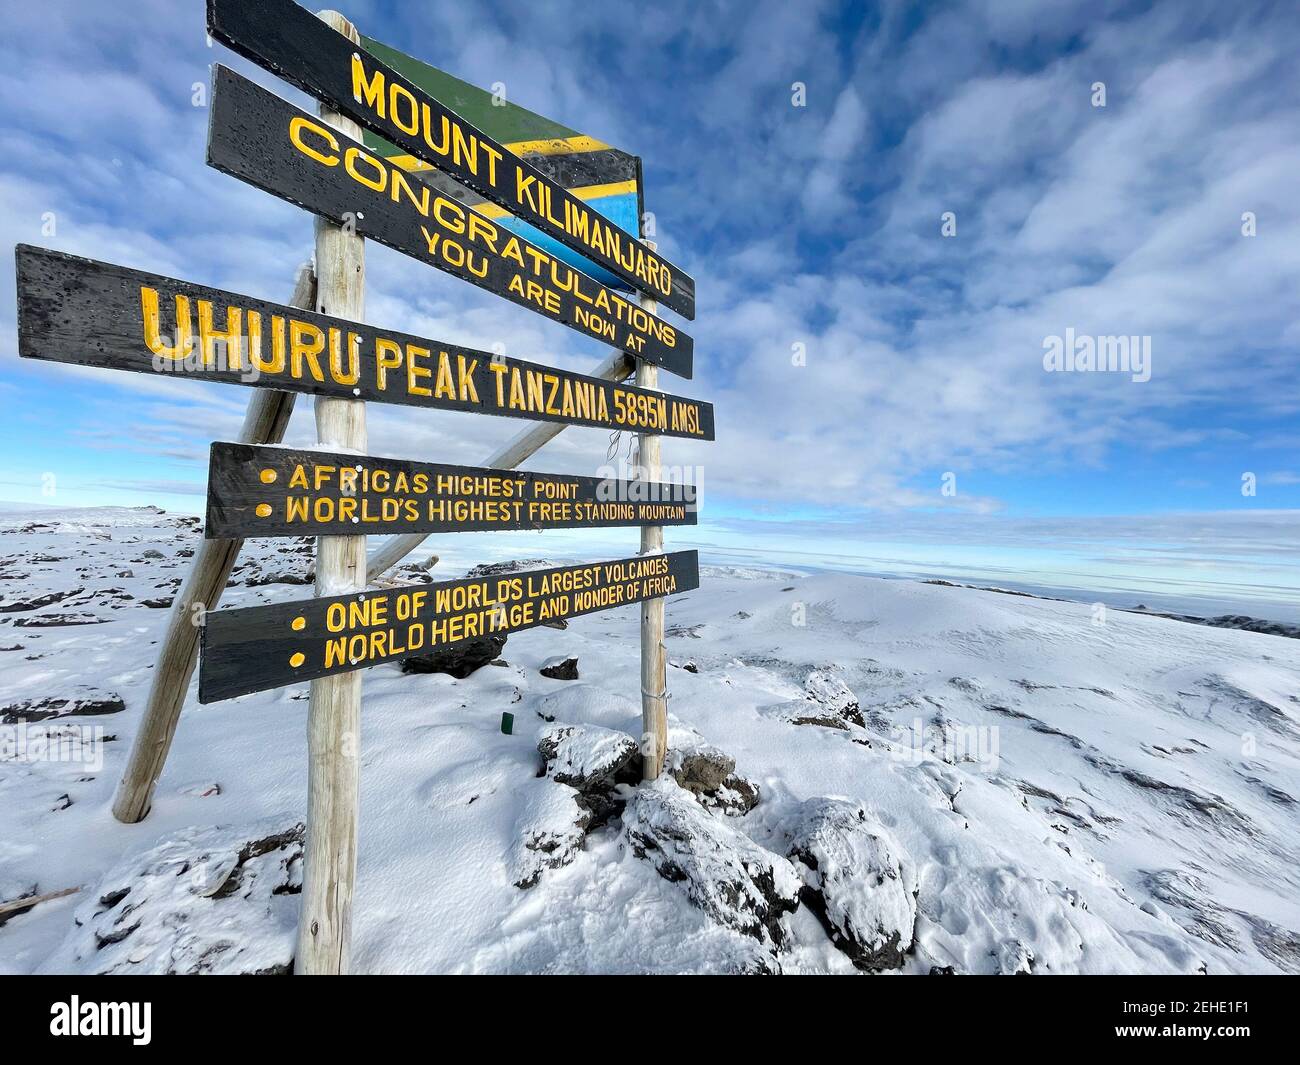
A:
(604, 177)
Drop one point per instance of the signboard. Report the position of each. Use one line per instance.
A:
(257, 648)
(600, 175)
(91, 313)
(263, 140)
(278, 491)
(292, 43)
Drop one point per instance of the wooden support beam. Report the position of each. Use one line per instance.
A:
(654, 671)
(334, 715)
(264, 423)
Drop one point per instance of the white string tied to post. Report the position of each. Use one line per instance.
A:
(664, 695)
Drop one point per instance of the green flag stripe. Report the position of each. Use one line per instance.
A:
(506, 124)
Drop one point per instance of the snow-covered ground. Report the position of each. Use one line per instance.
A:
(945, 778)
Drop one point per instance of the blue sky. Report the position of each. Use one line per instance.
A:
(817, 226)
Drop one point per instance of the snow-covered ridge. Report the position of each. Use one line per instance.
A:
(1220, 621)
(864, 775)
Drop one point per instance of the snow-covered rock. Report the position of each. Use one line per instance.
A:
(825, 700)
(549, 833)
(697, 766)
(857, 880)
(708, 773)
(722, 871)
(593, 760)
(586, 757)
(827, 690)
(216, 900)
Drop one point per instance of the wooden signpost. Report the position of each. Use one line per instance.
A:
(92, 313)
(96, 314)
(276, 491)
(259, 138)
(257, 648)
(329, 859)
(654, 655)
(286, 40)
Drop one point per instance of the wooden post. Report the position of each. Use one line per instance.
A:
(617, 367)
(264, 423)
(334, 717)
(654, 678)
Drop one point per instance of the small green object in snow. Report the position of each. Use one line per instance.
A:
(507, 723)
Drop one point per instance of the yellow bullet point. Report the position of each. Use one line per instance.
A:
(268, 476)
(297, 659)
(298, 624)
(263, 510)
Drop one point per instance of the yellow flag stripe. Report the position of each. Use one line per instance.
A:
(554, 146)
(583, 192)
(559, 146)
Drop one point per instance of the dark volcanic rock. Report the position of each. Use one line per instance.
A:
(1193, 808)
(86, 705)
(30, 527)
(708, 773)
(53, 621)
(491, 569)
(458, 659)
(280, 578)
(560, 669)
(35, 602)
(1249, 624)
(825, 720)
(120, 594)
(700, 769)
(1230, 621)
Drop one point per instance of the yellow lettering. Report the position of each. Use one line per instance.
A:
(153, 331)
(301, 122)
